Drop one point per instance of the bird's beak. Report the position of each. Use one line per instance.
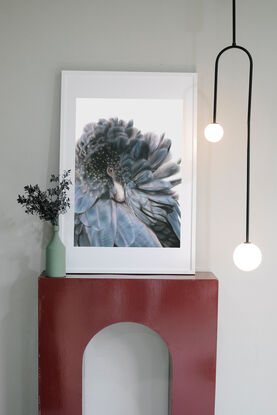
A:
(119, 194)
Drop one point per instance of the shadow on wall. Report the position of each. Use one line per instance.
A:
(18, 328)
(18, 314)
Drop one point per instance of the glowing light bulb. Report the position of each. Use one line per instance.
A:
(247, 256)
(213, 132)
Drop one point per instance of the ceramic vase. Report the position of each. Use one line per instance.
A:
(55, 256)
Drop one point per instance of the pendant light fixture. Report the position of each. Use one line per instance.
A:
(247, 256)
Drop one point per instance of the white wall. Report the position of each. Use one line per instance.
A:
(38, 39)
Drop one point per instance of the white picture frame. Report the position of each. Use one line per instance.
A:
(165, 96)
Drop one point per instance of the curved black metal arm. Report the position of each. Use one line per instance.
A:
(235, 46)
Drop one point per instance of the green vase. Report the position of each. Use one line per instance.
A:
(55, 256)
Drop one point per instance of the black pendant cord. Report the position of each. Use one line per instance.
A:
(235, 46)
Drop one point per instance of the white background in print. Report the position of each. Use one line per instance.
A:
(149, 115)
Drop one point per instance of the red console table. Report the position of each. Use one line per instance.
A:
(182, 311)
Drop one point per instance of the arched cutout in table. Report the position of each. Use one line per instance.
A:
(126, 370)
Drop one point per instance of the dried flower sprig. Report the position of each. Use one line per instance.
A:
(48, 204)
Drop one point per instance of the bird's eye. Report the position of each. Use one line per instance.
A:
(110, 171)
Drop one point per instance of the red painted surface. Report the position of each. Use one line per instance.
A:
(183, 312)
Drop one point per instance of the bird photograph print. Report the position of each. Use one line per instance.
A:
(126, 186)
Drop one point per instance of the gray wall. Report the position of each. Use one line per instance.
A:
(39, 39)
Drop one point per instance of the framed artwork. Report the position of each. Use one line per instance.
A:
(129, 139)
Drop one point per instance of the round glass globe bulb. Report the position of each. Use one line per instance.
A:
(213, 132)
(247, 256)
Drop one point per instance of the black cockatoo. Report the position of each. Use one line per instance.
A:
(124, 196)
